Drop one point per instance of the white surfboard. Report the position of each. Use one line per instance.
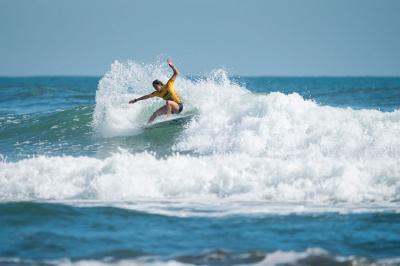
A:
(170, 121)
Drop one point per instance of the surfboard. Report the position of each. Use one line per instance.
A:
(177, 120)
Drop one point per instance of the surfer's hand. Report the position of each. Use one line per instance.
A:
(133, 101)
(169, 61)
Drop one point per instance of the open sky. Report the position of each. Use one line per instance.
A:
(254, 37)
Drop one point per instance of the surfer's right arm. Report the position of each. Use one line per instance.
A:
(171, 65)
(141, 98)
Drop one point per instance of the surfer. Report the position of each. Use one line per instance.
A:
(167, 92)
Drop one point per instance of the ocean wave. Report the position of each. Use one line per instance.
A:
(310, 256)
(239, 146)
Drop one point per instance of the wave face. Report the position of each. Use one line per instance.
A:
(238, 146)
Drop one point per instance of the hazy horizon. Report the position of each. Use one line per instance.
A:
(234, 75)
(255, 38)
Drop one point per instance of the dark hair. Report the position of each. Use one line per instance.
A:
(158, 82)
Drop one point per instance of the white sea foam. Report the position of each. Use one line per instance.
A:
(240, 146)
(125, 262)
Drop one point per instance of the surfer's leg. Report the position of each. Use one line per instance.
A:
(161, 111)
(172, 107)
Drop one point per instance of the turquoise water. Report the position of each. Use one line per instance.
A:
(262, 170)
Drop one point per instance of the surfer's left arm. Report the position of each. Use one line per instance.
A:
(176, 72)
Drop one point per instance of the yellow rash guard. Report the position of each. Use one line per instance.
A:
(167, 92)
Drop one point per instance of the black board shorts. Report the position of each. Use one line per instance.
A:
(180, 107)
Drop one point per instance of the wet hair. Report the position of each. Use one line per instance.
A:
(157, 82)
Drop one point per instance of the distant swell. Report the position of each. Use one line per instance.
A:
(310, 256)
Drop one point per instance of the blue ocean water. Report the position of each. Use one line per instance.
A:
(259, 171)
